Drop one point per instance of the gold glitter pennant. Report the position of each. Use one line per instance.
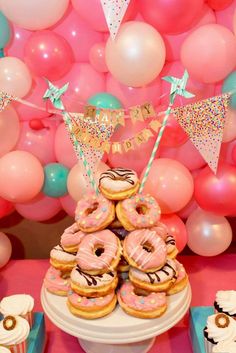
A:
(148, 111)
(136, 114)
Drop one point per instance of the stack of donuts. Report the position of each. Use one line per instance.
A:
(116, 249)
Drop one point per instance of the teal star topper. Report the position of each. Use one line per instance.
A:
(178, 86)
(54, 94)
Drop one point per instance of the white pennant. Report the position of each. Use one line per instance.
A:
(114, 11)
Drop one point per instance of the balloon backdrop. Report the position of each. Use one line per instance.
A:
(6, 207)
(97, 57)
(219, 4)
(176, 227)
(55, 180)
(170, 183)
(137, 55)
(229, 85)
(208, 234)
(4, 31)
(5, 249)
(9, 130)
(173, 135)
(17, 43)
(64, 151)
(68, 205)
(105, 100)
(21, 176)
(188, 209)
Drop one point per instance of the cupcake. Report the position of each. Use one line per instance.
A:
(18, 305)
(220, 327)
(225, 302)
(4, 350)
(14, 331)
(225, 347)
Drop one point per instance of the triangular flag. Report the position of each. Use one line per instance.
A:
(5, 99)
(114, 11)
(204, 122)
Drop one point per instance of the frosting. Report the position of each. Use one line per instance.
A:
(142, 211)
(84, 302)
(219, 334)
(17, 335)
(72, 236)
(180, 270)
(135, 244)
(58, 253)
(92, 281)
(4, 350)
(166, 273)
(54, 282)
(138, 302)
(18, 304)
(92, 210)
(88, 259)
(226, 300)
(225, 347)
(162, 230)
(118, 179)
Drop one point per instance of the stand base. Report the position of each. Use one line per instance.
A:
(137, 347)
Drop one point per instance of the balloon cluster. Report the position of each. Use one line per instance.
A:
(66, 41)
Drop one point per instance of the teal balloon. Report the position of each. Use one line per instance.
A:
(5, 31)
(2, 53)
(105, 101)
(55, 180)
(230, 85)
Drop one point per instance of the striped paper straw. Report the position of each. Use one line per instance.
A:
(79, 151)
(147, 171)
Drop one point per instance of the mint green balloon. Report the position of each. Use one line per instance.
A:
(229, 85)
(4, 31)
(105, 100)
(55, 180)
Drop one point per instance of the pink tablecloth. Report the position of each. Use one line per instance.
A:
(207, 275)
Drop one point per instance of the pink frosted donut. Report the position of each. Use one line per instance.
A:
(94, 213)
(139, 211)
(71, 238)
(162, 230)
(181, 281)
(145, 250)
(144, 306)
(55, 283)
(99, 252)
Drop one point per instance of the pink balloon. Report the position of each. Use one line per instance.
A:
(39, 142)
(131, 96)
(173, 16)
(170, 183)
(229, 128)
(35, 95)
(173, 43)
(68, 205)
(188, 209)
(225, 16)
(219, 4)
(48, 54)
(76, 177)
(17, 43)
(97, 57)
(78, 34)
(21, 176)
(209, 53)
(186, 154)
(9, 130)
(176, 227)
(200, 90)
(129, 159)
(64, 150)
(6, 208)
(208, 234)
(5, 249)
(93, 14)
(226, 152)
(234, 154)
(40, 208)
(234, 22)
(84, 82)
(217, 193)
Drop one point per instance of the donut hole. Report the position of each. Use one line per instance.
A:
(148, 247)
(99, 250)
(141, 209)
(91, 209)
(140, 292)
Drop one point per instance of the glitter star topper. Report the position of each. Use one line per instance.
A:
(54, 94)
(178, 86)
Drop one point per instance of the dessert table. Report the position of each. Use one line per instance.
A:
(207, 275)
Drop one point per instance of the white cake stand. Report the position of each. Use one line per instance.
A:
(117, 332)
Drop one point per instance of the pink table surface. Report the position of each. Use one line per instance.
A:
(207, 275)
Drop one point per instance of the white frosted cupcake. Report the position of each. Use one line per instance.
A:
(4, 350)
(14, 331)
(220, 327)
(18, 305)
(225, 347)
(225, 302)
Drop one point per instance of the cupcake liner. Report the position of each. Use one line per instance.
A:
(208, 345)
(19, 348)
(29, 317)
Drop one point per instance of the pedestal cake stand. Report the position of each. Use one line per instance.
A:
(117, 332)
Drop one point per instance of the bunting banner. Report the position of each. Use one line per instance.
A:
(204, 122)
(114, 11)
(5, 99)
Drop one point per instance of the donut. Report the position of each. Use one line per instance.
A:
(94, 213)
(71, 238)
(62, 260)
(123, 265)
(181, 281)
(91, 308)
(139, 211)
(162, 230)
(93, 285)
(99, 252)
(158, 281)
(118, 183)
(56, 282)
(144, 250)
(147, 306)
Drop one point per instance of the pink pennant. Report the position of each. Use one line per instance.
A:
(5, 99)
